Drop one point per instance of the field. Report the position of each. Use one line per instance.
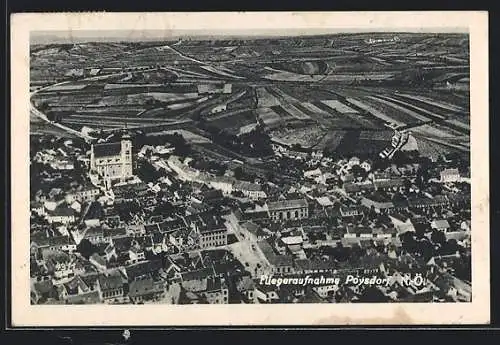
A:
(305, 136)
(233, 122)
(336, 92)
(190, 137)
(339, 107)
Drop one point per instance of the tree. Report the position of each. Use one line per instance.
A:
(238, 172)
(86, 248)
(358, 171)
(372, 294)
(409, 243)
(438, 237)
(450, 247)
(426, 249)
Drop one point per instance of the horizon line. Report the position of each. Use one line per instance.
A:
(95, 36)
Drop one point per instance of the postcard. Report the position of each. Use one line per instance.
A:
(249, 168)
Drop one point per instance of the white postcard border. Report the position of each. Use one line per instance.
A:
(476, 312)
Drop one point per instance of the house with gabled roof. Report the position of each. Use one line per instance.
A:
(112, 286)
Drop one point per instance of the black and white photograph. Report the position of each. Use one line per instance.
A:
(330, 166)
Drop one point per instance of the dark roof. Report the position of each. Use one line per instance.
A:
(142, 287)
(358, 187)
(171, 225)
(122, 243)
(398, 182)
(142, 269)
(151, 228)
(245, 185)
(44, 286)
(91, 297)
(90, 279)
(210, 230)
(198, 274)
(287, 204)
(95, 231)
(314, 228)
(115, 232)
(113, 281)
(272, 257)
(107, 149)
(311, 265)
(63, 211)
(42, 241)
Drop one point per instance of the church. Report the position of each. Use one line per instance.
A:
(112, 161)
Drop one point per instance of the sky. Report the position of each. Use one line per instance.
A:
(73, 36)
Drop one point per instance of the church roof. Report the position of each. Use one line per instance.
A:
(107, 149)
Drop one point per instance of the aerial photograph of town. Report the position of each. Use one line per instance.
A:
(236, 169)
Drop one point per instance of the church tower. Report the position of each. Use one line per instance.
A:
(126, 156)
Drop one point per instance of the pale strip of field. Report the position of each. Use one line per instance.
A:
(374, 111)
(448, 144)
(275, 70)
(294, 111)
(179, 106)
(113, 109)
(179, 70)
(216, 71)
(265, 99)
(398, 107)
(381, 61)
(124, 86)
(66, 87)
(455, 59)
(289, 76)
(447, 76)
(119, 118)
(201, 100)
(228, 70)
(268, 116)
(425, 111)
(285, 96)
(430, 101)
(338, 106)
(166, 97)
(248, 128)
(230, 49)
(459, 124)
(311, 107)
(190, 137)
(109, 123)
(432, 131)
(307, 136)
(353, 77)
(140, 98)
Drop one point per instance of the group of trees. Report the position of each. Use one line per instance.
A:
(427, 248)
(241, 174)
(209, 165)
(86, 248)
(255, 143)
(146, 172)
